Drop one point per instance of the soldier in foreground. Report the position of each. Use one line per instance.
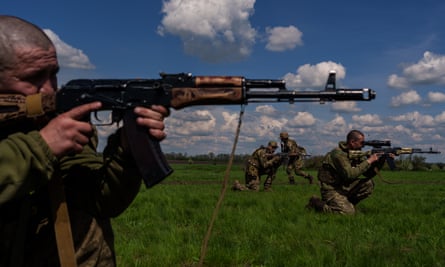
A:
(345, 181)
(262, 161)
(38, 155)
(295, 158)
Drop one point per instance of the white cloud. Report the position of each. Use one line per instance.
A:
(436, 97)
(230, 121)
(416, 119)
(302, 119)
(408, 98)
(367, 119)
(428, 70)
(440, 119)
(67, 55)
(395, 81)
(195, 122)
(262, 126)
(283, 38)
(310, 76)
(265, 109)
(213, 30)
(335, 126)
(269, 123)
(346, 106)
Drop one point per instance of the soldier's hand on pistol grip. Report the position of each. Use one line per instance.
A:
(374, 157)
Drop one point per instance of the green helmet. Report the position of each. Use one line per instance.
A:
(273, 144)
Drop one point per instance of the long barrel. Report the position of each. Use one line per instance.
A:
(430, 151)
(331, 93)
(363, 94)
(190, 90)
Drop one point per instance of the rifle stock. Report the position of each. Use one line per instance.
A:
(175, 91)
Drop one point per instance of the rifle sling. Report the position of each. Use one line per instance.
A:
(62, 225)
(376, 170)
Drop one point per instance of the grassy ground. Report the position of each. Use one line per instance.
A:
(401, 224)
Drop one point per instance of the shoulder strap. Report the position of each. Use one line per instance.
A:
(62, 225)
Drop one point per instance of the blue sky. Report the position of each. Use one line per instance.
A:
(396, 49)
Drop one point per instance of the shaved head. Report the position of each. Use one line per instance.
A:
(15, 34)
(28, 58)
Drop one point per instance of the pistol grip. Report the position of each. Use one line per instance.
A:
(146, 152)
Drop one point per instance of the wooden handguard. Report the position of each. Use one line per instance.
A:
(209, 90)
(184, 97)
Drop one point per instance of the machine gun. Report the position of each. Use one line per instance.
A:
(176, 91)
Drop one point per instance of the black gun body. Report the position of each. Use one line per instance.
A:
(182, 90)
(115, 95)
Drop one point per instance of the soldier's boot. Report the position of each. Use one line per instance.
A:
(268, 184)
(253, 186)
(315, 203)
(310, 178)
(237, 186)
(291, 180)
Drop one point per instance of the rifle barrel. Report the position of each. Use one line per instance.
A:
(265, 83)
(302, 96)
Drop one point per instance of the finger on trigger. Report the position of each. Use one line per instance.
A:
(82, 110)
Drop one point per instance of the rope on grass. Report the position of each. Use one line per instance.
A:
(223, 192)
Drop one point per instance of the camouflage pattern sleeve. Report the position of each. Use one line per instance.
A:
(265, 160)
(293, 147)
(343, 166)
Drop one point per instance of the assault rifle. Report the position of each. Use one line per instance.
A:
(386, 153)
(175, 91)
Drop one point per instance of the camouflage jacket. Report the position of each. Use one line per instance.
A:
(338, 169)
(262, 160)
(97, 188)
(294, 151)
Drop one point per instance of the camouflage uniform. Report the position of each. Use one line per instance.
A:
(261, 162)
(295, 159)
(344, 182)
(98, 187)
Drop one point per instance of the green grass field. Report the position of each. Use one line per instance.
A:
(401, 224)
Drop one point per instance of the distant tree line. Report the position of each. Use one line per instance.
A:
(403, 162)
(208, 158)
